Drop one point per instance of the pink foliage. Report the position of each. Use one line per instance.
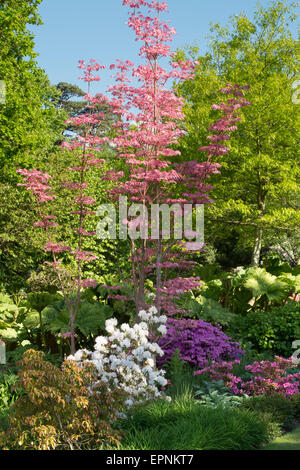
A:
(145, 140)
(147, 128)
(37, 183)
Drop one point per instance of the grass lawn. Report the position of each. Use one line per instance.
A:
(290, 441)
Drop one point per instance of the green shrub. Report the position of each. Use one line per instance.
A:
(210, 311)
(8, 395)
(184, 424)
(272, 331)
(59, 410)
(17, 354)
(282, 410)
(295, 399)
(11, 317)
(253, 288)
(273, 429)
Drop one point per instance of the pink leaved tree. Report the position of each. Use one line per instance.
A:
(85, 147)
(147, 131)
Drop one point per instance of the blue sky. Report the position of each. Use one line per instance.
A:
(84, 29)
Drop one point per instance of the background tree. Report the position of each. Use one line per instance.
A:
(72, 101)
(29, 121)
(29, 126)
(257, 194)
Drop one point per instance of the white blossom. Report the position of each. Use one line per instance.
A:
(162, 329)
(134, 373)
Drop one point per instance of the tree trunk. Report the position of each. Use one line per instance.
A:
(257, 247)
(261, 203)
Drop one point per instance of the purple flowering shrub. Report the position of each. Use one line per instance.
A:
(267, 378)
(199, 343)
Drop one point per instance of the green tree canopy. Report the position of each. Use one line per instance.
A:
(257, 194)
(70, 101)
(30, 124)
(29, 120)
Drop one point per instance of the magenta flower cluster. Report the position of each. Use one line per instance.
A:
(199, 342)
(267, 378)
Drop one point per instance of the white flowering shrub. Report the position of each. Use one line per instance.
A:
(126, 358)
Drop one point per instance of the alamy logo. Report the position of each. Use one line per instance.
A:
(296, 354)
(159, 221)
